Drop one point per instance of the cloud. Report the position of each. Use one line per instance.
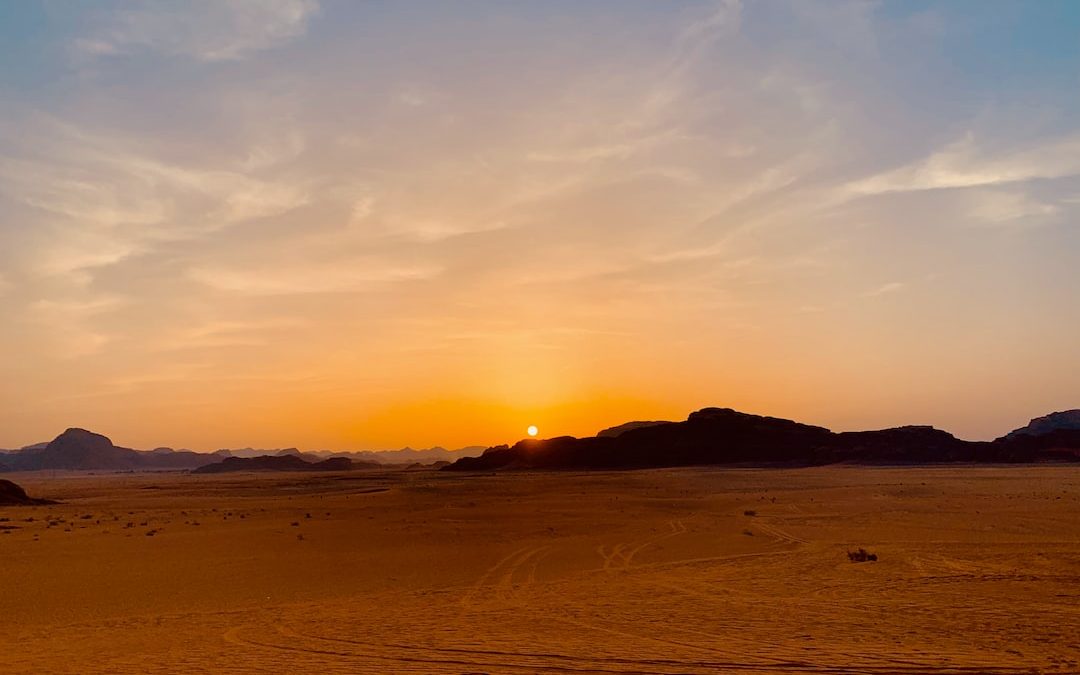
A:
(998, 207)
(884, 289)
(205, 30)
(587, 154)
(69, 324)
(73, 250)
(351, 277)
(964, 164)
(432, 231)
(103, 203)
(228, 333)
(696, 36)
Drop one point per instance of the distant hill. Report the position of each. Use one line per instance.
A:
(1058, 421)
(725, 436)
(284, 462)
(612, 432)
(423, 456)
(82, 450)
(35, 446)
(404, 456)
(13, 495)
(253, 452)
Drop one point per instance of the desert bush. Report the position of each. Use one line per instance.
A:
(862, 555)
(749, 512)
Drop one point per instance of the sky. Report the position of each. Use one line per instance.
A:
(342, 225)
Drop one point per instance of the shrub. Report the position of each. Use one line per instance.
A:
(862, 555)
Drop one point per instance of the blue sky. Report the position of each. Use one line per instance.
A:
(335, 219)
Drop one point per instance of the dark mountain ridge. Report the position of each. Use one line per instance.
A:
(708, 436)
(13, 495)
(1065, 420)
(627, 426)
(283, 462)
(724, 436)
(82, 450)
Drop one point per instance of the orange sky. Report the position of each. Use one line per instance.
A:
(358, 226)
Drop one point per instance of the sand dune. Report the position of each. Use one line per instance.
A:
(668, 571)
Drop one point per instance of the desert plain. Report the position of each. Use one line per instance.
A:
(702, 570)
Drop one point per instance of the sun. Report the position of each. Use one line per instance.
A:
(532, 430)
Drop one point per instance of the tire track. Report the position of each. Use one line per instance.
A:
(622, 558)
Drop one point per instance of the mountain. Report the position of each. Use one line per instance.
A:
(411, 456)
(1059, 444)
(612, 432)
(82, 450)
(708, 436)
(253, 452)
(13, 495)
(725, 436)
(910, 444)
(1065, 420)
(285, 462)
(35, 446)
(165, 451)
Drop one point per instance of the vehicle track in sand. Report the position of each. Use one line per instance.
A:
(361, 656)
(621, 556)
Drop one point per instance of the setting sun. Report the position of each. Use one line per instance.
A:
(532, 430)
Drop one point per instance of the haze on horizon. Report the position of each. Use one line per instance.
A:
(367, 225)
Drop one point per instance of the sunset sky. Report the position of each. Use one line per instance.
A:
(345, 225)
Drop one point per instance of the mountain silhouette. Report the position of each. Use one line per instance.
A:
(628, 426)
(13, 495)
(725, 436)
(82, 450)
(285, 462)
(1059, 421)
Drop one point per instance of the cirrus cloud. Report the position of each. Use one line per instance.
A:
(205, 30)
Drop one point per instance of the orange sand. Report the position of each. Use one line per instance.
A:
(635, 572)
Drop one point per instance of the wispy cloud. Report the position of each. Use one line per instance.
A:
(964, 164)
(884, 289)
(206, 30)
(997, 207)
(106, 202)
(71, 324)
(356, 276)
(229, 333)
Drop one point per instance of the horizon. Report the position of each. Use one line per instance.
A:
(339, 226)
(528, 436)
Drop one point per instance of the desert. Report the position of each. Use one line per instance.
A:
(528, 337)
(689, 570)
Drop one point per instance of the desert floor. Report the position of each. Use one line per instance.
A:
(677, 571)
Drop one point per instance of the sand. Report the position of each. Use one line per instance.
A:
(669, 571)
